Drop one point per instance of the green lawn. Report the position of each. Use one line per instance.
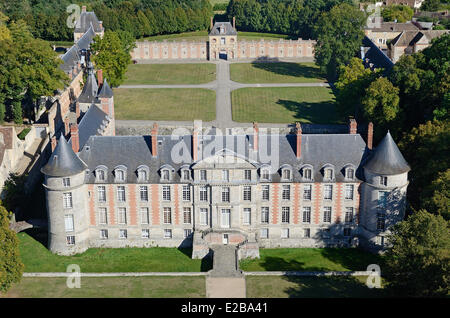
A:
(285, 105)
(276, 73)
(153, 74)
(310, 259)
(37, 258)
(165, 104)
(99, 287)
(256, 36)
(310, 287)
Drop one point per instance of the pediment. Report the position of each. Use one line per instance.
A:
(225, 158)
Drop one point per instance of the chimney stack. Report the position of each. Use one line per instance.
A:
(234, 22)
(100, 24)
(77, 109)
(54, 142)
(212, 24)
(66, 126)
(370, 135)
(298, 134)
(83, 9)
(100, 77)
(255, 136)
(154, 140)
(352, 126)
(75, 138)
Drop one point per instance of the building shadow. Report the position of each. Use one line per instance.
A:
(317, 113)
(331, 287)
(274, 65)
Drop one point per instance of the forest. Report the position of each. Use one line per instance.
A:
(47, 18)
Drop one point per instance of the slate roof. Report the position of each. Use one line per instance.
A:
(387, 158)
(409, 38)
(85, 21)
(105, 91)
(395, 27)
(376, 56)
(90, 88)
(132, 151)
(229, 30)
(72, 56)
(92, 123)
(63, 162)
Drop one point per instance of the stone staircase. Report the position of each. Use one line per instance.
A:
(225, 261)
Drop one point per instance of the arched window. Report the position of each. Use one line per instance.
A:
(101, 174)
(120, 173)
(166, 172)
(307, 172)
(143, 173)
(328, 173)
(286, 173)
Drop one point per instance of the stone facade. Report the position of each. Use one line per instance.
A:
(223, 45)
(219, 199)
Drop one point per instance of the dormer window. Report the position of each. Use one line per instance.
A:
(186, 175)
(100, 174)
(328, 174)
(265, 174)
(383, 181)
(142, 175)
(286, 174)
(307, 172)
(226, 175)
(350, 174)
(165, 175)
(120, 175)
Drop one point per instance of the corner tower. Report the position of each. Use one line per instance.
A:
(66, 200)
(383, 193)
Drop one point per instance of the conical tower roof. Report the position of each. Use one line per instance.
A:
(387, 158)
(63, 162)
(90, 88)
(105, 91)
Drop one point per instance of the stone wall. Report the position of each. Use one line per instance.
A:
(173, 50)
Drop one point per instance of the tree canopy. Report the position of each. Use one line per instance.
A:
(29, 68)
(399, 13)
(418, 262)
(11, 266)
(339, 35)
(112, 55)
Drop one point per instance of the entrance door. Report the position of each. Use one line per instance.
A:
(225, 239)
(226, 217)
(223, 55)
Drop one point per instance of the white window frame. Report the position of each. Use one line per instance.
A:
(69, 226)
(145, 233)
(101, 193)
(285, 215)
(67, 200)
(265, 192)
(121, 215)
(247, 214)
(167, 215)
(204, 216)
(145, 215)
(306, 215)
(265, 215)
(143, 193)
(123, 234)
(102, 215)
(166, 195)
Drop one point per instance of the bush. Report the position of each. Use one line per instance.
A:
(24, 133)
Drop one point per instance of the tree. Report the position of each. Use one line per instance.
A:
(418, 262)
(110, 55)
(17, 112)
(11, 266)
(339, 35)
(426, 148)
(437, 195)
(380, 101)
(400, 13)
(430, 5)
(352, 82)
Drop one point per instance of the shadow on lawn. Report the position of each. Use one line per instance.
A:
(288, 69)
(354, 259)
(330, 287)
(317, 113)
(206, 264)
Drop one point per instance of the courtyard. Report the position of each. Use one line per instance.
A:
(227, 94)
(165, 104)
